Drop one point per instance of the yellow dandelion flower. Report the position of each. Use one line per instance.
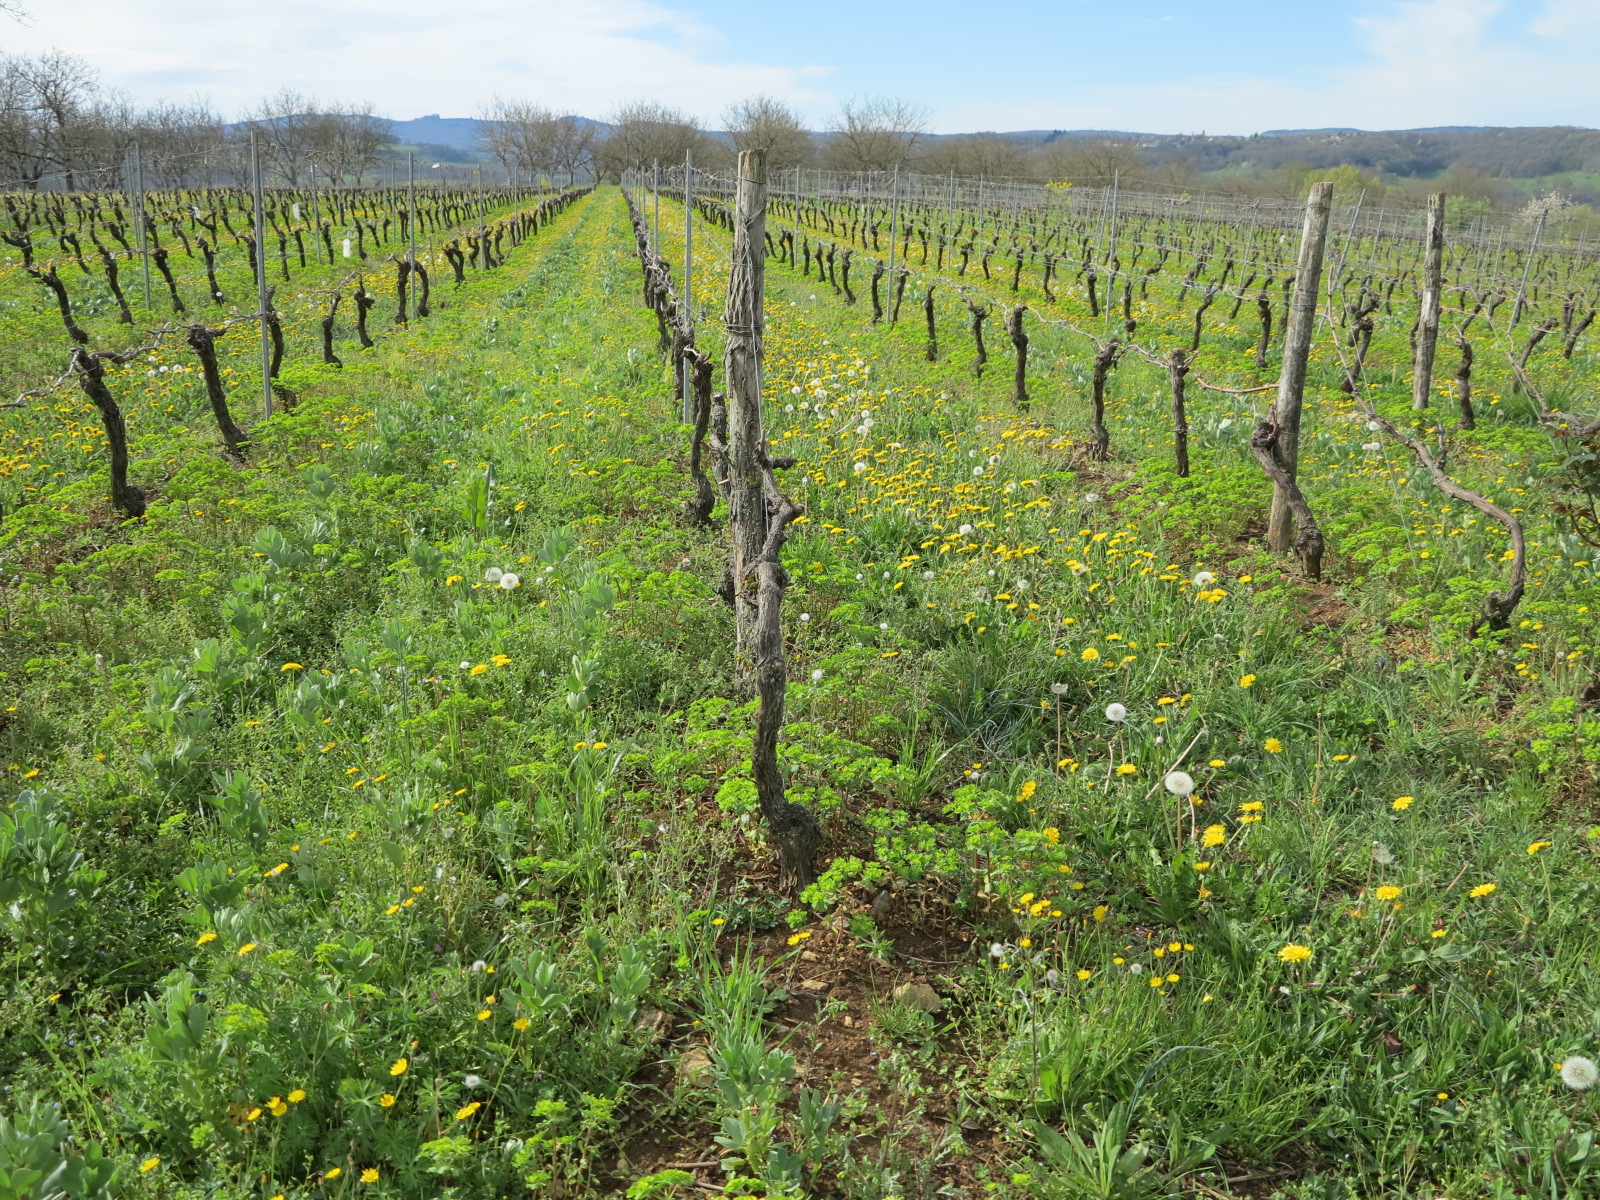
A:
(520, 1024)
(149, 1164)
(466, 1110)
(369, 1175)
(1214, 835)
(1388, 892)
(1295, 953)
(399, 1066)
(1247, 681)
(297, 1095)
(1401, 803)
(1273, 745)
(205, 938)
(1089, 654)
(247, 947)
(332, 1173)
(386, 1100)
(1535, 847)
(1483, 889)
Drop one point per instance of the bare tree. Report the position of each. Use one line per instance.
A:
(179, 145)
(767, 123)
(280, 125)
(45, 103)
(519, 133)
(349, 142)
(294, 130)
(1092, 163)
(877, 133)
(572, 145)
(645, 132)
(976, 154)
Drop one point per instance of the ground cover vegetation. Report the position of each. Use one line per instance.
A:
(380, 816)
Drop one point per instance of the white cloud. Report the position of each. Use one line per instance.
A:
(1568, 18)
(408, 56)
(1427, 62)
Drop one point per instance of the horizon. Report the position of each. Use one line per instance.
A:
(1276, 132)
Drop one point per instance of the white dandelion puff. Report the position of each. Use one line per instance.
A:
(1579, 1073)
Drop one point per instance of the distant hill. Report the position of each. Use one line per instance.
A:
(1497, 152)
(460, 133)
(1504, 153)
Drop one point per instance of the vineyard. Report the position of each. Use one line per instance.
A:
(851, 686)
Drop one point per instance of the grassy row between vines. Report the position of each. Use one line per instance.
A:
(403, 877)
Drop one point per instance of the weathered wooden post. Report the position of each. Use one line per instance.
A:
(263, 296)
(759, 514)
(1178, 363)
(1296, 353)
(1428, 315)
(742, 372)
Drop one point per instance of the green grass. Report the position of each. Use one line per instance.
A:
(290, 709)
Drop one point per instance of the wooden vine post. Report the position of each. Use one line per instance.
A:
(742, 357)
(1298, 330)
(759, 515)
(1428, 316)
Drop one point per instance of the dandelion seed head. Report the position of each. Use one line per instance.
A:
(1579, 1073)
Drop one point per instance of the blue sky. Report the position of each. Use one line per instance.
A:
(1167, 66)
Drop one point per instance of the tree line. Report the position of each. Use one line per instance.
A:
(60, 127)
